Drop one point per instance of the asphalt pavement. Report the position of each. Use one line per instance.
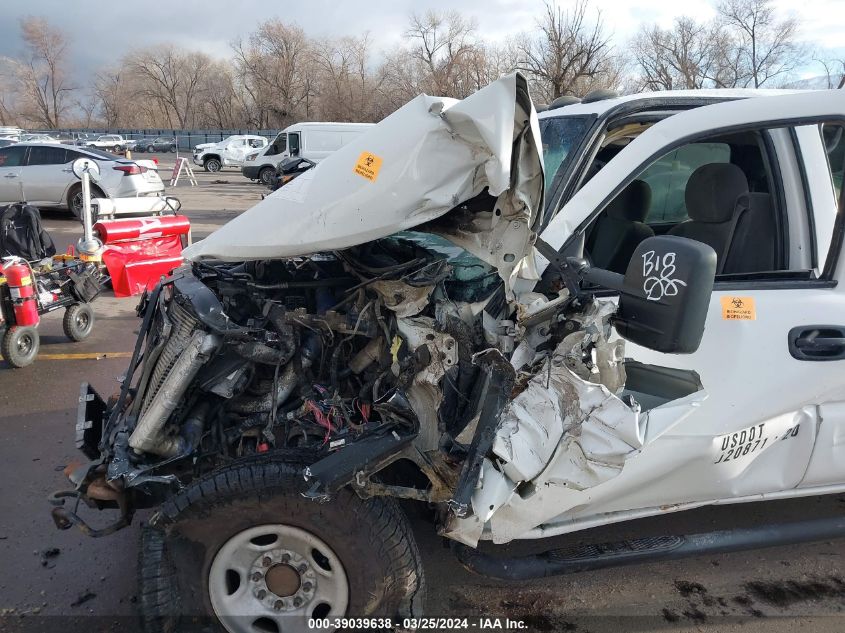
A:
(65, 581)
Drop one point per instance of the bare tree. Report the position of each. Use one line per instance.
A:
(834, 70)
(277, 69)
(8, 90)
(569, 52)
(222, 108)
(347, 87)
(765, 45)
(444, 45)
(171, 78)
(42, 74)
(683, 57)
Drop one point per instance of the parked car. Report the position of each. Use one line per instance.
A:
(230, 152)
(313, 141)
(38, 138)
(13, 133)
(40, 173)
(70, 138)
(156, 144)
(417, 319)
(113, 142)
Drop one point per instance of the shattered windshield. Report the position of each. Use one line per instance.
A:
(560, 135)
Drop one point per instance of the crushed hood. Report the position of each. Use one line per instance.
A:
(414, 167)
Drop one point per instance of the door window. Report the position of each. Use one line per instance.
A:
(11, 156)
(833, 136)
(293, 143)
(668, 177)
(46, 156)
(717, 191)
(278, 145)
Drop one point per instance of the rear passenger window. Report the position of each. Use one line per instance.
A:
(668, 178)
(46, 156)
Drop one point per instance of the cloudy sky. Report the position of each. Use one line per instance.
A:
(102, 31)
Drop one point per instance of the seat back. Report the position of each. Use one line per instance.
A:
(752, 247)
(620, 228)
(711, 197)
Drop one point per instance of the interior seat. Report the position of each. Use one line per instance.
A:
(620, 228)
(711, 198)
(752, 248)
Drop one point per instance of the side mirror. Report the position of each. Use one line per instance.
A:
(665, 294)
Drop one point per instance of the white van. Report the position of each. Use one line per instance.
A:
(313, 141)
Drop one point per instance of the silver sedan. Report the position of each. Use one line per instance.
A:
(40, 173)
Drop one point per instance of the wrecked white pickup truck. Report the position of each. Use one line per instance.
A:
(413, 320)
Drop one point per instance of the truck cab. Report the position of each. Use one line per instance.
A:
(230, 152)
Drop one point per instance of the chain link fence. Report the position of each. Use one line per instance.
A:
(170, 140)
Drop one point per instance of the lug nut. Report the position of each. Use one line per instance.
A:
(302, 568)
(306, 586)
(278, 605)
(261, 594)
(285, 558)
(266, 561)
(297, 602)
(256, 576)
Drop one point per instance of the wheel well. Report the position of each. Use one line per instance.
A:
(78, 185)
(208, 157)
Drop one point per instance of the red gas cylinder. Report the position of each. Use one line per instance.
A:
(19, 280)
(111, 231)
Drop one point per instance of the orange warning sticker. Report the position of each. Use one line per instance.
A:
(368, 166)
(738, 309)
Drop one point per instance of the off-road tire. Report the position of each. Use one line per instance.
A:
(372, 538)
(19, 346)
(212, 165)
(76, 190)
(78, 321)
(265, 176)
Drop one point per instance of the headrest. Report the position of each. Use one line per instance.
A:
(712, 191)
(632, 203)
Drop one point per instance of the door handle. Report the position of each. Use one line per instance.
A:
(11, 176)
(817, 342)
(68, 170)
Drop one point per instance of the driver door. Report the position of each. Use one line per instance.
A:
(776, 399)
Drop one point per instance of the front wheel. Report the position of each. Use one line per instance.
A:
(266, 176)
(78, 321)
(150, 149)
(244, 551)
(212, 165)
(20, 345)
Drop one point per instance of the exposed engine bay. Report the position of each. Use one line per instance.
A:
(415, 355)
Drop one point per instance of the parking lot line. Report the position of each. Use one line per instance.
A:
(85, 356)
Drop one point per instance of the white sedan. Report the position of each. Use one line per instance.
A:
(40, 173)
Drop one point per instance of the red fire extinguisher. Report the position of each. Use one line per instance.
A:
(22, 290)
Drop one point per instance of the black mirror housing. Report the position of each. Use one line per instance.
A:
(665, 294)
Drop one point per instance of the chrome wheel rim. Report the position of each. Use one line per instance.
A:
(274, 578)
